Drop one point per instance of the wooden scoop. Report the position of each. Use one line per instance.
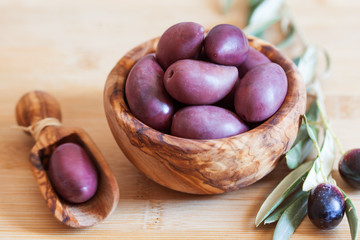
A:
(40, 114)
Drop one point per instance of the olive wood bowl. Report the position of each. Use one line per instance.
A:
(204, 166)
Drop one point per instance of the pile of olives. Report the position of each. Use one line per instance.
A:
(204, 86)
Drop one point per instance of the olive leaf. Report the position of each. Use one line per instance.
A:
(278, 212)
(302, 135)
(253, 4)
(266, 11)
(313, 112)
(314, 88)
(289, 31)
(258, 28)
(298, 153)
(326, 55)
(310, 131)
(312, 116)
(296, 60)
(282, 190)
(307, 64)
(319, 170)
(263, 14)
(351, 216)
(291, 218)
(303, 144)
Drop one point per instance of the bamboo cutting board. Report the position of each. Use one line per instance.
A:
(67, 48)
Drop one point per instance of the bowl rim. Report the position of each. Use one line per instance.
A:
(118, 86)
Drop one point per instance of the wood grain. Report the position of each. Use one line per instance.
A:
(204, 166)
(31, 109)
(68, 48)
(35, 106)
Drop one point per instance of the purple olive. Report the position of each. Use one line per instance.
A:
(326, 206)
(349, 167)
(181, 41)
(72, 173)
(197, 82)
(146, 94)
(253, 59)
(227, 45)
(206, 122)
(260, 92)
(228, 101)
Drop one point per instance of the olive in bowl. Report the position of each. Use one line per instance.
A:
(204, 166)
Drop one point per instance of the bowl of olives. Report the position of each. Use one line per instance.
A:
(204, 112)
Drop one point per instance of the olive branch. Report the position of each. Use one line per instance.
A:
(287, 203)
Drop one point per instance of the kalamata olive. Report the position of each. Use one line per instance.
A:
(326, 206)
(228, 101)
(197, 82)
(146, 94)
(181, 41)
(206, 122)
(260, 92)
(226, 44)
(253, 59)
(349, 167)
(72, 173)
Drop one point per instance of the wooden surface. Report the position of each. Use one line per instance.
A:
(68, 48)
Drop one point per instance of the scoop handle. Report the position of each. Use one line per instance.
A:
(35, 106)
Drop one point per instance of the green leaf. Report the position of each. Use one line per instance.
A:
(257, 29)
(302, 134)
(313, 112)
(253, 4)
(291, 218)
(320, 170)
(307, 64)
(263, 14)
(326, 124)
(298, 153)
(265, 11)
(303, 144)
(282, 190)
(309, 130)
(326, 71)
(312, 115)
(351, 216)
(277, 214)
(296, 60)
(290, 36)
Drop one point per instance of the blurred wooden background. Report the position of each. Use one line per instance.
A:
(68, 48)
